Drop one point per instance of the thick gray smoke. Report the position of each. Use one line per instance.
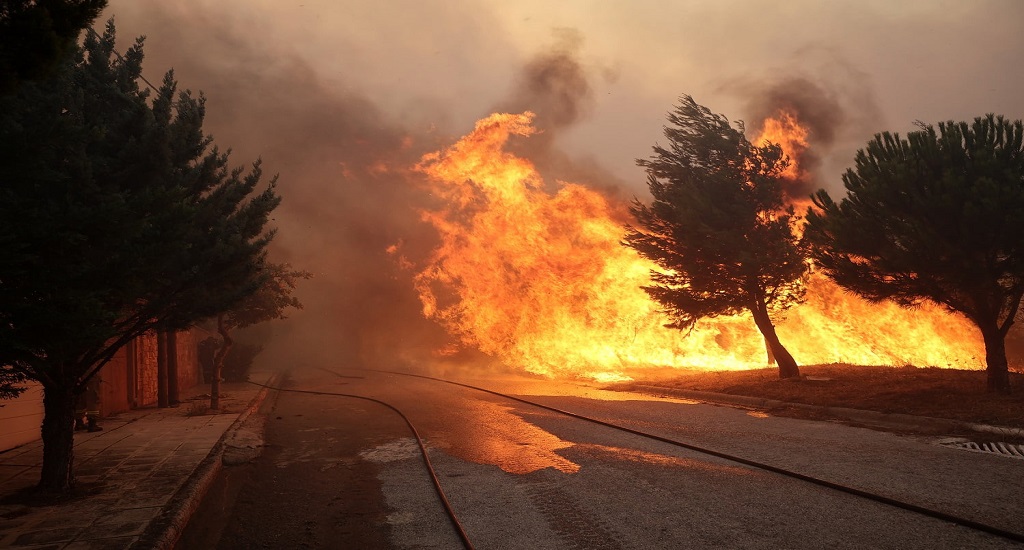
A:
(556, 86)
(347, 194)
(348, 190)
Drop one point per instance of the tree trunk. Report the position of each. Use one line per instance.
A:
(787, 365)
(771, 356)
(995, 360)
(161, 370)
(218, 362)
(58, 439)
(173, 395)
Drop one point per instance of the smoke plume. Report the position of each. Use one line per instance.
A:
(557, 87)
(837, 106)
(351, 200)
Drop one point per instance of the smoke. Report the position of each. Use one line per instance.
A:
(351, 200)
(347, 192)
(837, 106)
(817, 109)
(556, 85)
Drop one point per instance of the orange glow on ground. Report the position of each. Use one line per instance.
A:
(540, 280)
(644, 457)
(492, 434)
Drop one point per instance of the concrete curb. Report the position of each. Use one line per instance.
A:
(856, 415)
(164, 531)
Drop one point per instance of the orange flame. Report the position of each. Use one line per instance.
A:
(785, 131)
(542, 281)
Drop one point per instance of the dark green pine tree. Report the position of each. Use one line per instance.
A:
(718, 228)
(117, 217)
(36, 34)
(936, 216)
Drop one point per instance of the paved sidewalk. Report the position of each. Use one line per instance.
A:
(140, 478)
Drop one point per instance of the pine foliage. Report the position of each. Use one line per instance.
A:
(117, 215)
(36, 34)
(717, 227)
(933, 216)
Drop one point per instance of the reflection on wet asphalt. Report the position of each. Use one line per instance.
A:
(488, 433)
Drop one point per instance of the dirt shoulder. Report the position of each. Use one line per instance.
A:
(931, 392)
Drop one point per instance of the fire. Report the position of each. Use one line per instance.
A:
(785, 131)
(540, 279)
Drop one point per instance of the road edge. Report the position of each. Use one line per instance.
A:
(855, 415)
(163, 532)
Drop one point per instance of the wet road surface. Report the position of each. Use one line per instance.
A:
(344, 473)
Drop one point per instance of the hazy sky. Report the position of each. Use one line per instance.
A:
(449, 62)
(341, 97)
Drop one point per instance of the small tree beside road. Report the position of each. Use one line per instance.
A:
(117, 217)
(718, 229)
(936, 216)
(269, 302)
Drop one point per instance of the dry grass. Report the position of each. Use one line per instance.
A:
(940, 393)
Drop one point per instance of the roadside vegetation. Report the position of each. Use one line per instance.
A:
(718, 228)
(934, 216)
(118, 217)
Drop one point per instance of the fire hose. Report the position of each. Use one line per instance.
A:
(928, 512)
(936, 514)
(419, 441)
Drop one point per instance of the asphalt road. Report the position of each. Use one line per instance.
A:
(339, 472)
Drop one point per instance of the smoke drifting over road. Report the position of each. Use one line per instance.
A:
(342, 165)
(351, 205)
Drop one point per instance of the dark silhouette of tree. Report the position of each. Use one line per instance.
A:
(936, 216)
(117, 217)
(36, 34)
(718, 228)
(10, 384)
(269, 302)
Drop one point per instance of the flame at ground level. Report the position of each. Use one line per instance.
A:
(540, 280)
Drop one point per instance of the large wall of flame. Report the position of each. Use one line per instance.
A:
(540, 279)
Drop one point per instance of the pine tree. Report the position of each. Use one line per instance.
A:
(117, 217)
(36, 34)
(935, 216)
(718, 229)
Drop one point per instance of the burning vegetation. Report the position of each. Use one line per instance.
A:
(540, 279)
(522, 258)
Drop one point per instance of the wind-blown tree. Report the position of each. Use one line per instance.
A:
(269, 302)
(718, 228)
(36, 34)
(935, 216)
(117, 217)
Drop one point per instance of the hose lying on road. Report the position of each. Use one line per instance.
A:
(423, 450)
(936, 514)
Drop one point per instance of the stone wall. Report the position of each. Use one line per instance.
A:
(20, 418)
(190, 371)
(144, 350)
